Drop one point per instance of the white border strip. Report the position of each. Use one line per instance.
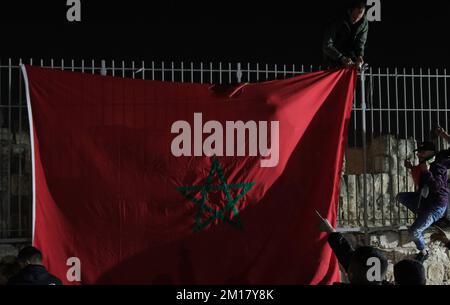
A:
(33, 170)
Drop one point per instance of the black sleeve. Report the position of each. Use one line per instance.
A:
(328, 45)
(341, 248)
(361, 39)
(53, 280)
(448, 245)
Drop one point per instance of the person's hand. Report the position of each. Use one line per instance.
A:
(359, 62)
(408, 164)
(347, 62)
(424, 167)
(440, 237)
(440, 132)
(324, 225)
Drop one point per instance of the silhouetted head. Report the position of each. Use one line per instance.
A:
(29, 256)
(425, 151)
(366, 262)
(409, 272)
(357, 9)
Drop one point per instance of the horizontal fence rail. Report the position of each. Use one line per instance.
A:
(393, 109)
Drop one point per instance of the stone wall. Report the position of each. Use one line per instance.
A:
(15, 192)
(396, 245)
(386, 177)
(9, 251)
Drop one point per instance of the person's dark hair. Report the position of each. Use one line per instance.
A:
(409, 272)
(357, 4)
(30, 254)
(358, 263)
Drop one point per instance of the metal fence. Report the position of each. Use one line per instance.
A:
(391, 109)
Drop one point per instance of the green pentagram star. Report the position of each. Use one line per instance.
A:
(190, 193)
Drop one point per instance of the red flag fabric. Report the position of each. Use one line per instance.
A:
(149, 182)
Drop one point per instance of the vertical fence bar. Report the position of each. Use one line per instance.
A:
(406, 135)
(370, 108)
(172, 68)
(379, 101)
(397, 138)
(383, 216)
(257, 72)
(364, 144)
(413, 90)
(388, 91)
(211, 81)
(355, 119)
(201, 72)
(238, 73)
(359, 205)
(438, 112)
(103, 67)
(182, 72)
(9, 141)
(153, 70)
(429, 100)
(421, 104)
(446, 101)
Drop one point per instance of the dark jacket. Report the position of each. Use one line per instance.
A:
(34, 275)
(342, 38)
(436, 180)
(343, 251)
(341, 248)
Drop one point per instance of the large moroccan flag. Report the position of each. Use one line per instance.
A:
(174, 183)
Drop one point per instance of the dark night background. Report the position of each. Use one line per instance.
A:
(411, 33)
